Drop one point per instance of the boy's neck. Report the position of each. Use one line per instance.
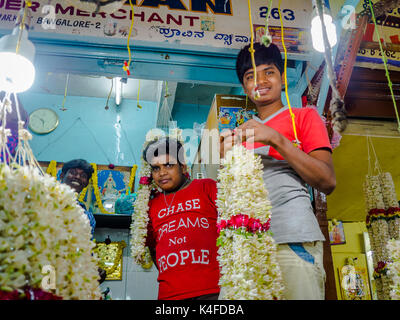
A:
(264, 111)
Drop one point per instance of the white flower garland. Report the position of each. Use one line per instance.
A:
(383, 224)
(394, 268)
(247, 252)
(42, 224)
(140, 219)
(42, 228)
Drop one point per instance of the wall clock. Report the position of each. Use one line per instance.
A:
(43, 120)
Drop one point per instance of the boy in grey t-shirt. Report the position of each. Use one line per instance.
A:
(293, 156)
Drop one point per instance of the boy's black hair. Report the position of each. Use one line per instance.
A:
(262, 55)
(78, 163)
(164, 146)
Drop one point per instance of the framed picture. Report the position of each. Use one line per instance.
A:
(336, 232)
(354, 283)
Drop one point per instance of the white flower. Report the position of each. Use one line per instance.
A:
(154, 134)
(42, 224)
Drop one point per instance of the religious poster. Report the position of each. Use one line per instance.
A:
(354, 283)
(218, 23)
(232, 117)
(336, 232)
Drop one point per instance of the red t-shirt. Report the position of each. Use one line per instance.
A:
(184, 236)
(310, 128)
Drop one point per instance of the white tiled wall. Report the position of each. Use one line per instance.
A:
(137, 283)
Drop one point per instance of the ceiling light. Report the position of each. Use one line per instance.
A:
(17, 72)
(316, 29)
(118, 90)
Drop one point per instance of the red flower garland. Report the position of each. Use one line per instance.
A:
(28, 294)
(375, 214)
(242, 220)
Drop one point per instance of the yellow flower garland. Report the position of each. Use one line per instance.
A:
(131, 178)
(83, 192)
(52, 168)
(97, 191)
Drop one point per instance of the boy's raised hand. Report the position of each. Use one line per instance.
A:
(253, 131)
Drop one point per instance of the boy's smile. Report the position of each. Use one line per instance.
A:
(269, 84)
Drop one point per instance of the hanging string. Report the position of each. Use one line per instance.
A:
(65, 93)
(166, 90)
(109, 94)
(368, 157)
(377, 166)
(23, 147)
(385, 64)
(5, 152)
(137, 99)
(252, 51)
(127, 64)
(28, 4)
(296, 141)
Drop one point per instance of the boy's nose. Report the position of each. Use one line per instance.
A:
(163, 171)
(261, 78)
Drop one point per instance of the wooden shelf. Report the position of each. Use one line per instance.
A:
(115, 221)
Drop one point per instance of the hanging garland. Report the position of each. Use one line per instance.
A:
(41, 225)
(382, 221)
(247, 252)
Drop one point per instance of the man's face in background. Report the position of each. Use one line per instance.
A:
(76, 178)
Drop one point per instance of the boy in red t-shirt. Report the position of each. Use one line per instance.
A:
(288, 169)
(182, 229)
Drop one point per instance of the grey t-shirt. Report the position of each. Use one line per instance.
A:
(293, 218)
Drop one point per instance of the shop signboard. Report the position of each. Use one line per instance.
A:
(210, 23)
